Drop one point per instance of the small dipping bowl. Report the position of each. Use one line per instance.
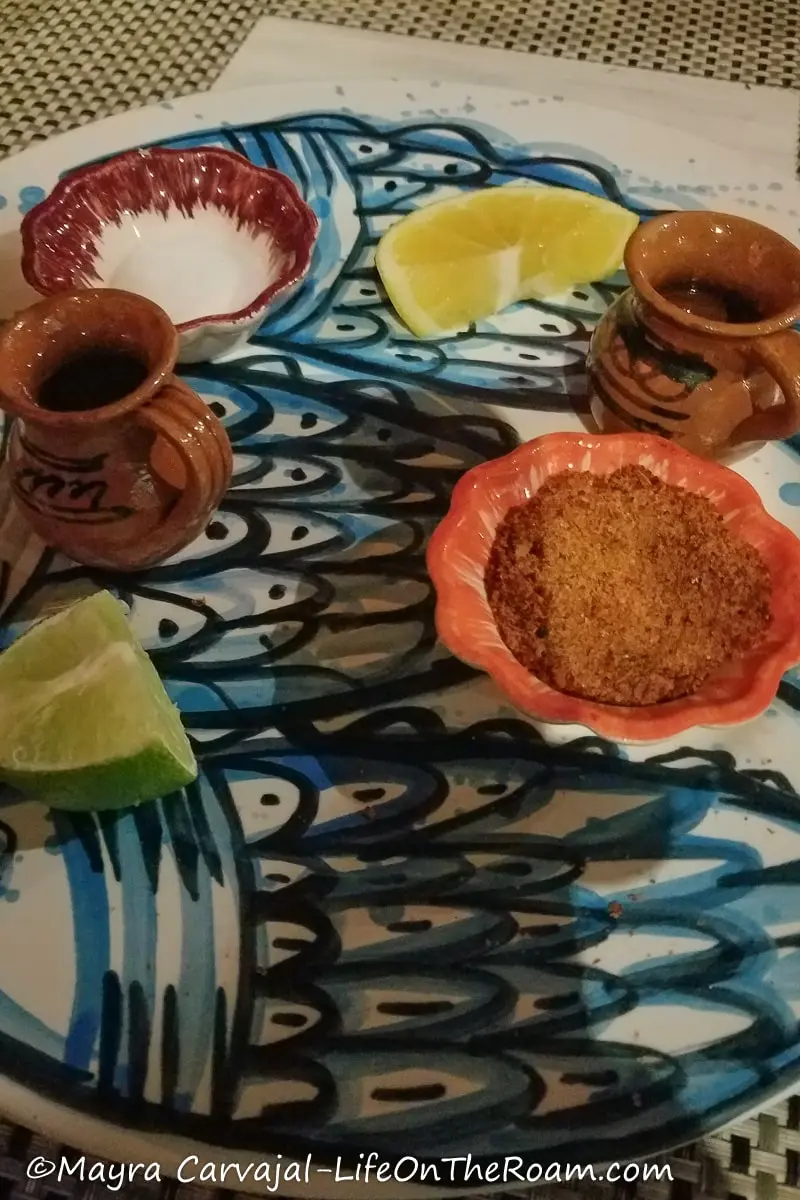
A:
(209, 237)
(459, 552)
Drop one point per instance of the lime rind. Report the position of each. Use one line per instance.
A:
(150, 774)
(86, 722)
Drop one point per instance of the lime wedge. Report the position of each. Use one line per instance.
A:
(85, 722)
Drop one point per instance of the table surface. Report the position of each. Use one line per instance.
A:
(760, 1157)
(66, 62)
(758, 121)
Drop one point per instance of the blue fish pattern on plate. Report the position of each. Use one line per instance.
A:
(391, 915)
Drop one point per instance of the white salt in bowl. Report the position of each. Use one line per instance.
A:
(209, 237)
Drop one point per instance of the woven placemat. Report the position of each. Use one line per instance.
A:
(67, 62)
(752, 41)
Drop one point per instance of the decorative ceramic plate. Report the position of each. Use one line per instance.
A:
(394, 915)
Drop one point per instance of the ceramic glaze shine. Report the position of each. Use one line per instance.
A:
(192, 266)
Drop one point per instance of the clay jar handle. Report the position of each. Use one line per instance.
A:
(180, 417)
(779, 355)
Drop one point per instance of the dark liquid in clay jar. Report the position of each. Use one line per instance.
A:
(92, 380)
(712, 302)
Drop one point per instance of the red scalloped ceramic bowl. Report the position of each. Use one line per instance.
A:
(459, 550)
(208, 236)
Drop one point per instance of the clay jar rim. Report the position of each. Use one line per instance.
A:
(16, 391)
(685, 224)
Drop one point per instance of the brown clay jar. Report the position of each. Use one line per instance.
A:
(700, 349)
(112, 459)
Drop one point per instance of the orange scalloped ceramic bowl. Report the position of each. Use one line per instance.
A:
(459, 550)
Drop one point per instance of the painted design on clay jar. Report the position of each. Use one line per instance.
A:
(51, 486)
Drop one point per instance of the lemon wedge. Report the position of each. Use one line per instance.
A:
(461, 260)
